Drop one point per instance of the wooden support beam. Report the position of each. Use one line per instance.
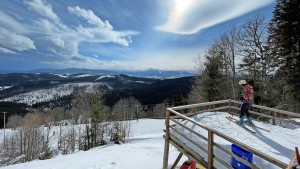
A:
(273, 120)
(210, 149)
(177, 160)
(167, 141)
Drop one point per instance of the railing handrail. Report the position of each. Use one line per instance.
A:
(199, 104)
(271, 109)
(232, 140)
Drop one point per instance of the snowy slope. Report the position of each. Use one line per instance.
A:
(146, 146)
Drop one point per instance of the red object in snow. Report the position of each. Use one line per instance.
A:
(188, 165)
(297, 155)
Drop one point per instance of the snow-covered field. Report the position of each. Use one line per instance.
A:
(145, 147)
(144, 150)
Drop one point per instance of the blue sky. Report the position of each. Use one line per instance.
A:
(115, 34)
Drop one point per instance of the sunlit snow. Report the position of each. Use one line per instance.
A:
(146, 146)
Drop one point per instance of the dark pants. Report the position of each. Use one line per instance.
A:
(245, 109)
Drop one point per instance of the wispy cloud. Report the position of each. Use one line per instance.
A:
(191, 16)
(51, 36)
(7, 51)
(174, 59)
(90, 17)
(43, 8)
(102, 31)
(11, 24)
(15, 41)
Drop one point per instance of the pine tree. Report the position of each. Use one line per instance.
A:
(211, 81)
(284, 38)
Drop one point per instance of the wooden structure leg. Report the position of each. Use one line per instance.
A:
(177, 160)
(210, 150)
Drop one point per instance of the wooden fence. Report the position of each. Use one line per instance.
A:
(229, 106)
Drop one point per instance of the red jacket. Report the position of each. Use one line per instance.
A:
(248, 94)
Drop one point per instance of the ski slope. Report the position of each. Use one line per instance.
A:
(146, 146)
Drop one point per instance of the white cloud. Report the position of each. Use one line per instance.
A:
(76, 61)
(15, 41)
(90, 17)
(191, 16)
(51, 36)
(99, 31)
(179, 59)
(7, 51)
(43, 8)
(11, 24)
(174, 59)
(57, 41)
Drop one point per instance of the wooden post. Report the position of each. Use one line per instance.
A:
(210, 161)
(229, 107)
(176, 161)
(274, 120)
(167, 140)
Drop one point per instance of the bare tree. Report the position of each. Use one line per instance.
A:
(30, 140)
(229, 48)
(58, 114)
(124, 111)
(254, 47)
(89, 103)
(14, 121)
(159, 110)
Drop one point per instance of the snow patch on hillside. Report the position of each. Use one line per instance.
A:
(5, 87)
(107, 76)
(141, 82)
(62, 75)
(44, 95)
(84, 75)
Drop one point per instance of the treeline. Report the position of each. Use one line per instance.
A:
(174, 90)
(266, 54)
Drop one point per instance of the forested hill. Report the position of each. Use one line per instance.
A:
(20, 92)
(174, 90)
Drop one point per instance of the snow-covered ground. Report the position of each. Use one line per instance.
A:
(146, 145)
(144, 150)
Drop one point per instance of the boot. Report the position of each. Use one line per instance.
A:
(249, 120)
(241, 121)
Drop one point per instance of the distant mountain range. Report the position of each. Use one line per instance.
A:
(150, 73)
(36, 88)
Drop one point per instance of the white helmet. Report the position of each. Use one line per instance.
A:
(242, 82)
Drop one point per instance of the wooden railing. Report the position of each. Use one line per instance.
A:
(227, 105)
